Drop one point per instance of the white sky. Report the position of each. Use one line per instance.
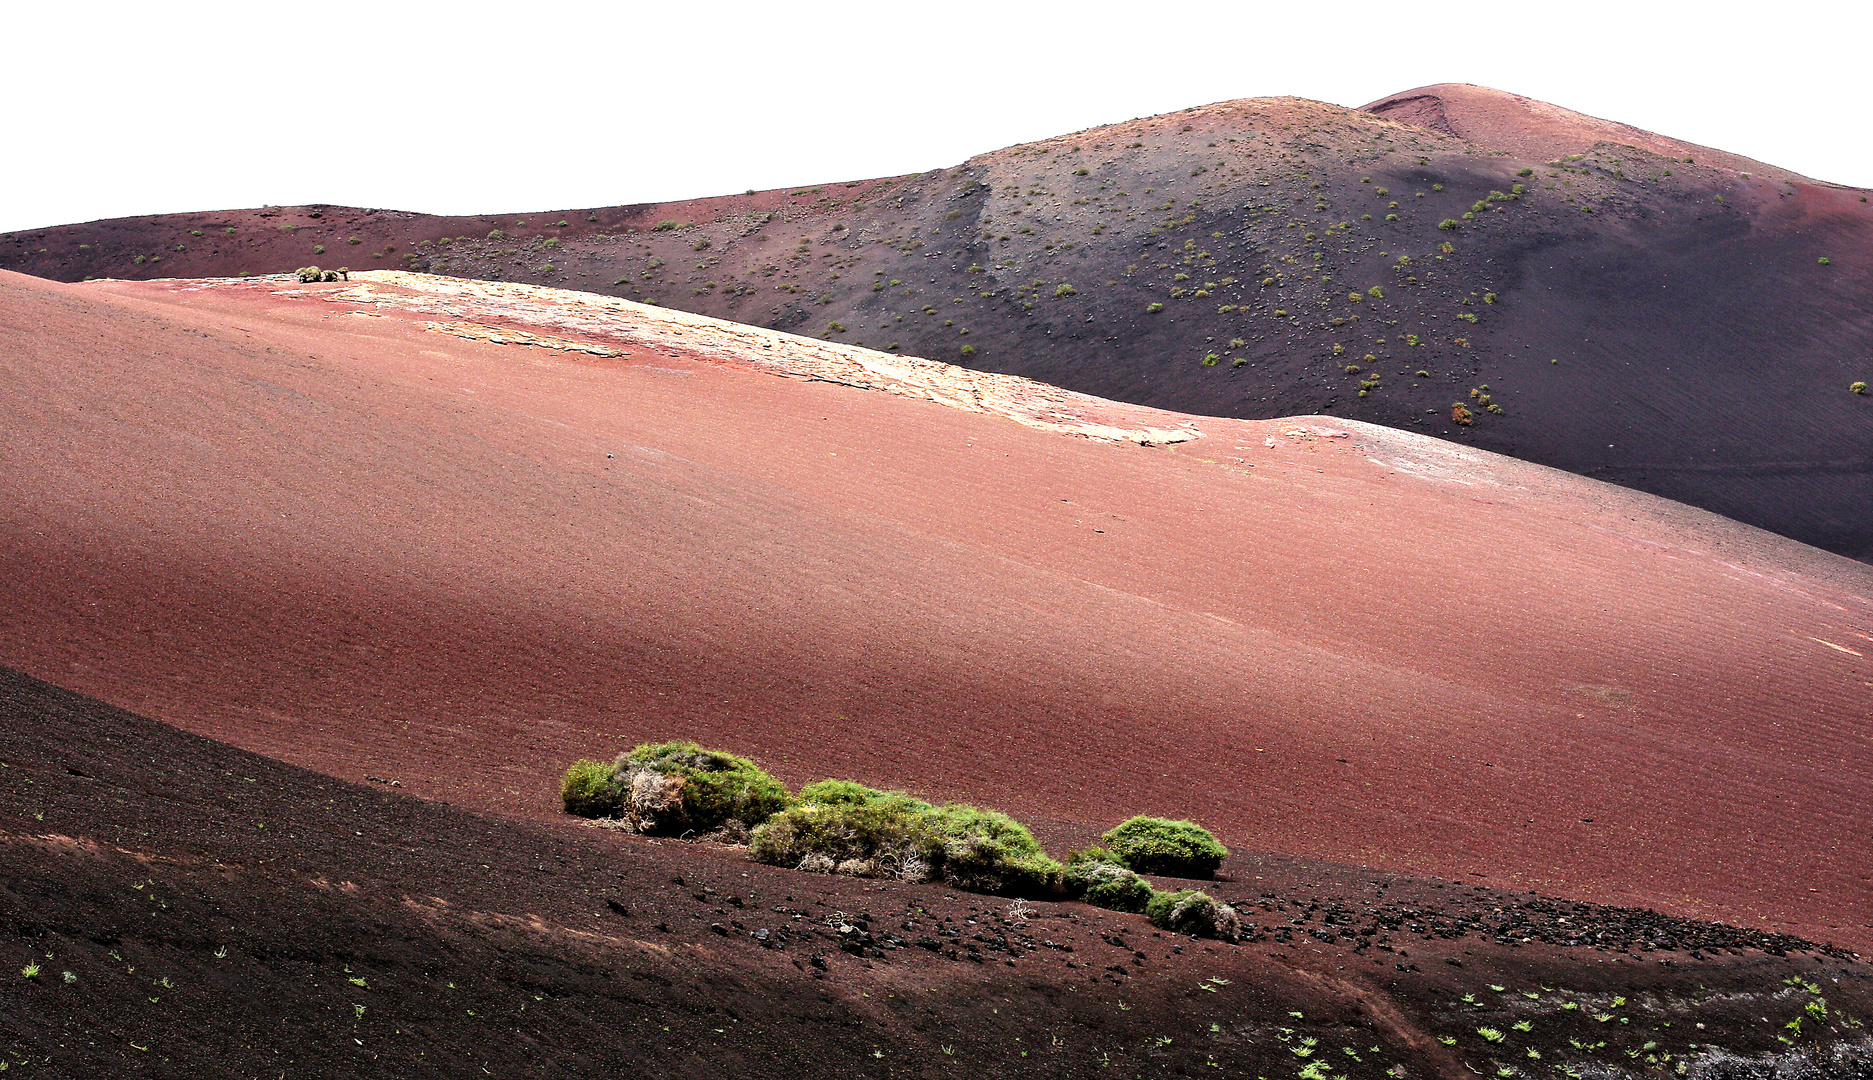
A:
(118, 109)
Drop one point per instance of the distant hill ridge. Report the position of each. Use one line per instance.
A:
(1590, 298)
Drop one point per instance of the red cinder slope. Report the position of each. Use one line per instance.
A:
(301, 520)
(1537, 130)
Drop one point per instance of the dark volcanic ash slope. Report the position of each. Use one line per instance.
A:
(1663, 323)
(221, 914)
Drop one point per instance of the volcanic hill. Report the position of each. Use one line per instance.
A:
(1495, 745)
(1598, 298)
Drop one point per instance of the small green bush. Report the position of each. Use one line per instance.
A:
(496, 234)
(1857, 388)
(845, 827)
(1188, 911)
(1152, 845)
(988, 851)
(1109, 886)
(1823, 260)
(715, 786)
(1449, 223)
(1096, 876)
(590, 789)
(1153, 309)
(674, 788)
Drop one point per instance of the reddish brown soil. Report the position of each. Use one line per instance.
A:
(1538, 131)
(353, 545)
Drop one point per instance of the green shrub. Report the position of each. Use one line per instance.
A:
(968, 350)
(1857, 388)
(714, 786)
(863, 832)
(1153, 309)
(844, 827)
(1823, 260)
(1109, 886)
(988, 851)
(674, 788)
(1188, 911)
(493, 234)
(1151, 845)
(1448, 223)
(590, 789)
(837, 793)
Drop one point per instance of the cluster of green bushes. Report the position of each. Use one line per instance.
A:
(840, 826)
